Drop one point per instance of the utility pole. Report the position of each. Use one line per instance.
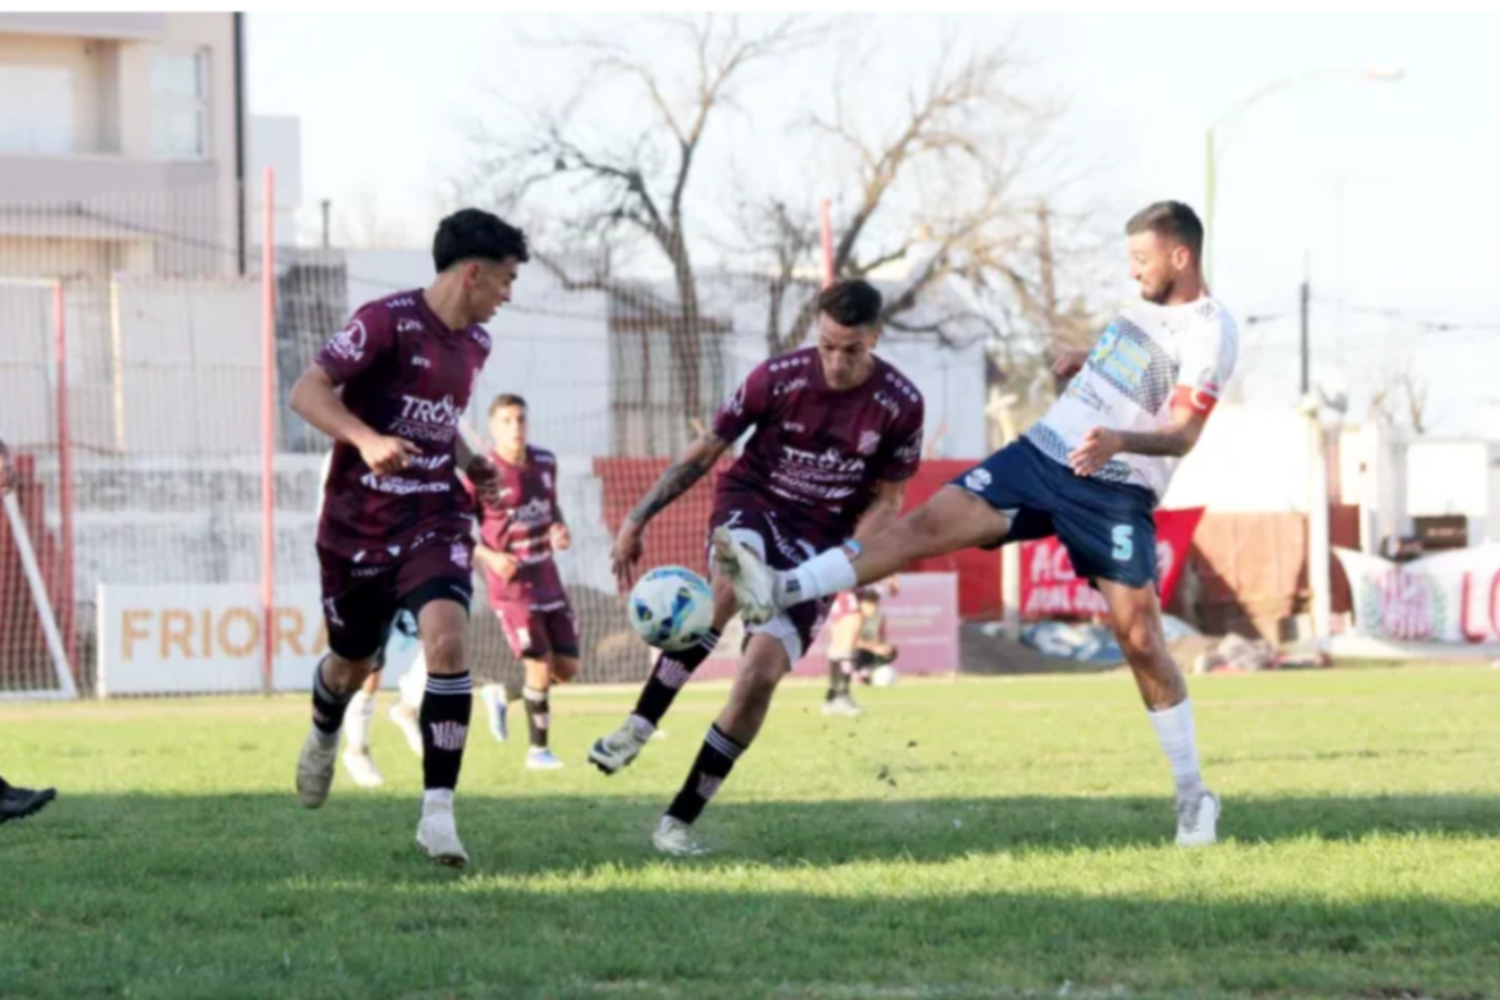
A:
(326, 203)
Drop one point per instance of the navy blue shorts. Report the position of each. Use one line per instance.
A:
(1108, 529)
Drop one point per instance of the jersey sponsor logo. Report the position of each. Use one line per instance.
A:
(349, 343)
(409, 326)
(787, 388)
(404, 302)
(533, 512)
(794, 428)
(979, 480)
(431, 463)
(428, 419)
(399, 486)
(911, 450)
(888, 404)
(418, 361)
(831, 460)
(1200, 397)
(869, 441)
(459, 553)
(737, 401)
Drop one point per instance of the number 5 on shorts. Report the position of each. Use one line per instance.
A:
(1124, 539)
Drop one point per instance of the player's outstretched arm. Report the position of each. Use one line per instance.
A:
(316, 400)
(1101, 444)
(695, 463)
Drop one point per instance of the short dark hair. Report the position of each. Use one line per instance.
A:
(506, 399)
(851, 303)
(1172, 220)
(474, 233)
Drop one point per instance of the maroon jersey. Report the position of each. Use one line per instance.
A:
(406, 375)
(521, 524)
(818, 454)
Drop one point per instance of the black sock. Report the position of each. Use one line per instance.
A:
(444, 717)
(713, 765)
(671, 672)
(835, 678)
(538, 716)
(328, 708)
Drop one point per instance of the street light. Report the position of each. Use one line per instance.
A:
(1212, 158)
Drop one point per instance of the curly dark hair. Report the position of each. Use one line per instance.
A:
(473, 233)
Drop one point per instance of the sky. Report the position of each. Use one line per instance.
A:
(1382, 193)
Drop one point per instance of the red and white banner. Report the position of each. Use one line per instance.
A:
(1450, 597)
(1050, 588)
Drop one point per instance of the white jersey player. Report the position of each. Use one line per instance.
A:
(1091, 471)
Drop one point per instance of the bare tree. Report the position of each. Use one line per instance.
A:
(625, 183)
(937, 182)
(1400, 398)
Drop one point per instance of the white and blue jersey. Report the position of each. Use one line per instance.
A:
(1151, 360)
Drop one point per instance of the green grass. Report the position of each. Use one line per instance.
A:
(974, 839)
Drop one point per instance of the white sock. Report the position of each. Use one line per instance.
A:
(357, 719)
(824, 575)
(1174, 728)
(437, 800)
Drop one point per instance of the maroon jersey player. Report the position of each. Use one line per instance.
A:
(520, 528)
(396, 527)
(837, 433)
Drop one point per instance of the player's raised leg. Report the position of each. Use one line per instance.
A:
(447, 705)
(1136, 613)
(951, 520)
(765, 663)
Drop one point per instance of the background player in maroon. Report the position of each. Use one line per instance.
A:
(397, 526)
(519, 529)
(838, 432)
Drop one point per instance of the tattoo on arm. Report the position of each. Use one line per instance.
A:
(679, 478)
(1176, 442)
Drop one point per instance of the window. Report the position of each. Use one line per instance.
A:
(179, 105)
(36, 109)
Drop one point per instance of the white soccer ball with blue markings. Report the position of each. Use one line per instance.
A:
(671, 608)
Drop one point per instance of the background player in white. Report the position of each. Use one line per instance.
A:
(1090, 471)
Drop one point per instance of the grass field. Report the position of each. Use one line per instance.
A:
(969, 839)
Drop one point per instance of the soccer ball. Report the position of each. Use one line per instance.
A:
(671, 608)
(884, 676)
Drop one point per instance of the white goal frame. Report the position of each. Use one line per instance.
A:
(66, 690)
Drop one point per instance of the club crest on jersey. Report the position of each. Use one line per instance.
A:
(350, 342)
(979, 480)
(460, 555)
(868, 442)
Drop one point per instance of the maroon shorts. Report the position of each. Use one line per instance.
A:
(536, 631)
(784, 544)
(360, 603)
